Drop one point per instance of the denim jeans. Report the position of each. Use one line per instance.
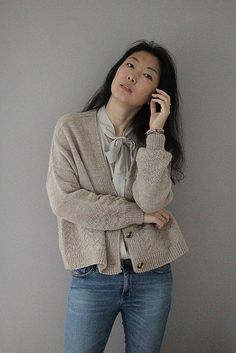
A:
(95, 300)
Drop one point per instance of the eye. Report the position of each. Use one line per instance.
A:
(149, 77)
(130, 64)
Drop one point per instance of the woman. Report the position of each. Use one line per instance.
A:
(109, 180)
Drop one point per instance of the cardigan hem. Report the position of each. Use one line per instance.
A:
(156, 260)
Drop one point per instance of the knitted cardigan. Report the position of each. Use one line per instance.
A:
(90, 213)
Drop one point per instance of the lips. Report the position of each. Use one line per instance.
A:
(126, 88)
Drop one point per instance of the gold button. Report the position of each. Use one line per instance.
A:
(140, 265)
(128, 235)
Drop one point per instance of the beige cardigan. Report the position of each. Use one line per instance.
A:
(89, 211)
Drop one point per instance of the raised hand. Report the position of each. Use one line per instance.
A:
(158, 119)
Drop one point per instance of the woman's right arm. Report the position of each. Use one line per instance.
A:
(77, 205)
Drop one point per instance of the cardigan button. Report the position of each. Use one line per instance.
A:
(140, 265)
(128, 235)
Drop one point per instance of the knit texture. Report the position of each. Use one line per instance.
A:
(90, 213)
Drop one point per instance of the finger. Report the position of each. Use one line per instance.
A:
(160, 96)
(159, 224)
(165, 214)
(165, 218)
(153, 107)
(162, 218)
(165, 106)
(164, 99)
(160, 101)
(162, 92)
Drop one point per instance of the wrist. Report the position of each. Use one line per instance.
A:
(158, 125)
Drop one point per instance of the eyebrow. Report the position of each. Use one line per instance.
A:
(150, 68)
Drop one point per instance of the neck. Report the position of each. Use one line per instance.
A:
(120, 114)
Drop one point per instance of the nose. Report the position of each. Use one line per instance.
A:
(131, 78)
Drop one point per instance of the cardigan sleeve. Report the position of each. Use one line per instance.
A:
(77, 205)
(152, 186)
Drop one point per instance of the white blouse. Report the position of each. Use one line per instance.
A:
(119, 153)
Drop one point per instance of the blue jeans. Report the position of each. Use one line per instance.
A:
(95, 300)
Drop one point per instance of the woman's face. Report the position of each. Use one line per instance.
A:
(136, 79)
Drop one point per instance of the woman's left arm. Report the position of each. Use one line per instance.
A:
(152, 186)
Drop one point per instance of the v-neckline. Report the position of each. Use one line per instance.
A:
(101, 154)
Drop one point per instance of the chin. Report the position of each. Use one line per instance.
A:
(119, 97)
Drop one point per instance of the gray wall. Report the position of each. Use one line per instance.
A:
(54, 55)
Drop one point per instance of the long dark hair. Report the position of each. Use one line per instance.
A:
(168, 83)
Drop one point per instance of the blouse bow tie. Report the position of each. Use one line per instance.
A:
(120, 145)
(121, 152)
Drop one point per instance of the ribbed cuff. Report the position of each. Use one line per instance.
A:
(135, 215)
(155, 141)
